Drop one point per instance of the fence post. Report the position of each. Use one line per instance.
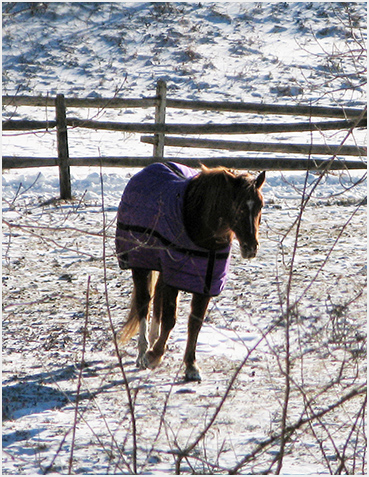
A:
(161, 94)
(63, 153)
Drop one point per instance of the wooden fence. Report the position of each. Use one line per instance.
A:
(340, 119)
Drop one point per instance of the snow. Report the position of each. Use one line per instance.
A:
(262, 52)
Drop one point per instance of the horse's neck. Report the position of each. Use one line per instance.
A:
(210, 231)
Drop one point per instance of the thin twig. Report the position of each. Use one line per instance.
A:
(115, 340)
(297, 425)
(79, 383)
(185, 452)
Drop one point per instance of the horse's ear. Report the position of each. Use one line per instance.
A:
(259, 181)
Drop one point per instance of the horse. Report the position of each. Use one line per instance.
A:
(175, 227)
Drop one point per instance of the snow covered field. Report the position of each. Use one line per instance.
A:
(61, 297)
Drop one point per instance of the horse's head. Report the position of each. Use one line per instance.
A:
(220, 205)
(246, 212)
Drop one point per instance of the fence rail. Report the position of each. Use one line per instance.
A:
(306, 149)
(250, 163)
(226, 106)
(344, 119)
(239, 128)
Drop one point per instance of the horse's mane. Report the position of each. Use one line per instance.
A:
(205, 189)
(214, 187)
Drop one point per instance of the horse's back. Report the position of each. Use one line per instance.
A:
(153, 192)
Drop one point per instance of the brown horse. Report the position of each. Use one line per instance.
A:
(213, 207)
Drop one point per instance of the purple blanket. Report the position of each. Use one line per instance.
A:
(151, 235)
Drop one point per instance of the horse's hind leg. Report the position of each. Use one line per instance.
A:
(142, 295)
(157, 311)
(169, 297)
(199, 306)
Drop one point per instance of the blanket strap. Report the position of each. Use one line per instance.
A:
(209, 271)
(197, 253)
(173, 167)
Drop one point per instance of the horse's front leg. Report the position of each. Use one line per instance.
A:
(199, 306)
(169, 296)
(142, 296)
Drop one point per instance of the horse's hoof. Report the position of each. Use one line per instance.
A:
(193, 373)
(140, 362)
(151, 360)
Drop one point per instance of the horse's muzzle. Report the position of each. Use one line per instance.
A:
(248, 252)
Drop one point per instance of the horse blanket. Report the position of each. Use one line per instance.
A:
(151, 234)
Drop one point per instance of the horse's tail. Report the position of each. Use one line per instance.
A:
(132, 324)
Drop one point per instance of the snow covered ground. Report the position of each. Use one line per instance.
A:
(287, 53)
